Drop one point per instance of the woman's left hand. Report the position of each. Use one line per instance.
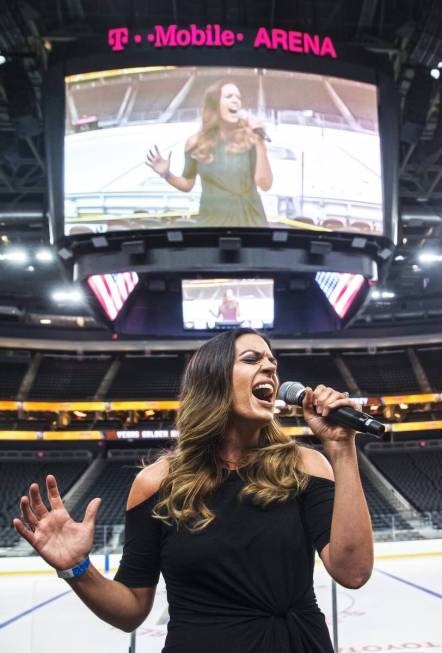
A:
(317, 405)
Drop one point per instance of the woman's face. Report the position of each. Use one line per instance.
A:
(229, 103)
(255, 382)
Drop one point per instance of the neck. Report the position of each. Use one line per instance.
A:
(236, 444)
(226, 128)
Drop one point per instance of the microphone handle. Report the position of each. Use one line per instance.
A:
(259, 131)
(347, 416)
(361, 422)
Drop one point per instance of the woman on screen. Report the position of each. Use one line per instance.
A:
(228, 308)
(231, 517)
(230, 155)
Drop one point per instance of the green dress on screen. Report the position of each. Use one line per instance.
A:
(229, 196)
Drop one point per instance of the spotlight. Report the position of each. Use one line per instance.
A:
(359, 243)
(64, 253)
(134, 247)
(229, 243)
(44, 256)
(68, 296)
(99, 242)
(319, 247)
(435, 73)
(175, 236)
(385, 254)
(382, 294)
(15, 255)
(280, 236)
(429, 257)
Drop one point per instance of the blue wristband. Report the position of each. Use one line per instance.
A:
(75, 572)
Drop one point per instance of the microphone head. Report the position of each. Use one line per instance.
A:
(291, 392)
(243, 114)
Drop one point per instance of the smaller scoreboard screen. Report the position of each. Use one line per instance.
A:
(227, 303)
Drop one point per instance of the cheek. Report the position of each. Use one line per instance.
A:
(241, 396)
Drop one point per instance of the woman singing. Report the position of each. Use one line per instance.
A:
(230, 158)
(231, 518)
(228, 308)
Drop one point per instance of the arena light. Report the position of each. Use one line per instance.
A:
(429, 257)
(382, 294)
(435, 73)
(67, 296)
(15, 255)
(44, 256)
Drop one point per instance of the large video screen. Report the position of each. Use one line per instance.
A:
(186, 147)
(227, 303)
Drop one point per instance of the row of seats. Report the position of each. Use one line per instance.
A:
(153, 93)
(417, 475)
(15, 479)
(159, 377)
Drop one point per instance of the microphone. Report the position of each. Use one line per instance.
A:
(259, 131)
(293, 393)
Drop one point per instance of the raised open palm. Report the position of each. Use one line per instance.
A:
(61, 541)
(157, 162)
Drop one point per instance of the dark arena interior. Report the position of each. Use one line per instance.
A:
(138, 220)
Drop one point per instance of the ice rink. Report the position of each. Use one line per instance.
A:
(399, 609)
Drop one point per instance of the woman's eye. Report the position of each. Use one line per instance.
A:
(250, 360)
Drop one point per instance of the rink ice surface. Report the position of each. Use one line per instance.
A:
(400, 609)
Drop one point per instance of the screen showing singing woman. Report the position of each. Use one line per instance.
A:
(189, 147)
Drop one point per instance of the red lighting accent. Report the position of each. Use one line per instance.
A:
(112, 290)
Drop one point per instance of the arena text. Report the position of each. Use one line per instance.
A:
(214, 35)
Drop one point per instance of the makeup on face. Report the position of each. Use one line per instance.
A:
(230, 103)
(255, 381)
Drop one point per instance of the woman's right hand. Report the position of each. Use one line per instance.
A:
(61, 541)
(158, 164)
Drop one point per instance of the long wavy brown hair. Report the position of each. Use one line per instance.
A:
(195, 469)
(240, 139)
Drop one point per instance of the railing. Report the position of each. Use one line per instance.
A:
(387, 527)
(407, 525)
(108, 538)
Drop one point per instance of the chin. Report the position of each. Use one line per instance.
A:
(263, 418)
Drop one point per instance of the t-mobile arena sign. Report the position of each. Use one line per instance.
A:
(172, 36)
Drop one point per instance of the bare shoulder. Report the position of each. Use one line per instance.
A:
(191, 142)
(314, 463)
(147, 482)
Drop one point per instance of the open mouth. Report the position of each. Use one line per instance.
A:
(263, 392)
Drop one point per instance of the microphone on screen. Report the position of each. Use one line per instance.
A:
(293, 393)
(259, 131)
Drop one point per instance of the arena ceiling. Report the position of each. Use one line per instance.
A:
(409, 32)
